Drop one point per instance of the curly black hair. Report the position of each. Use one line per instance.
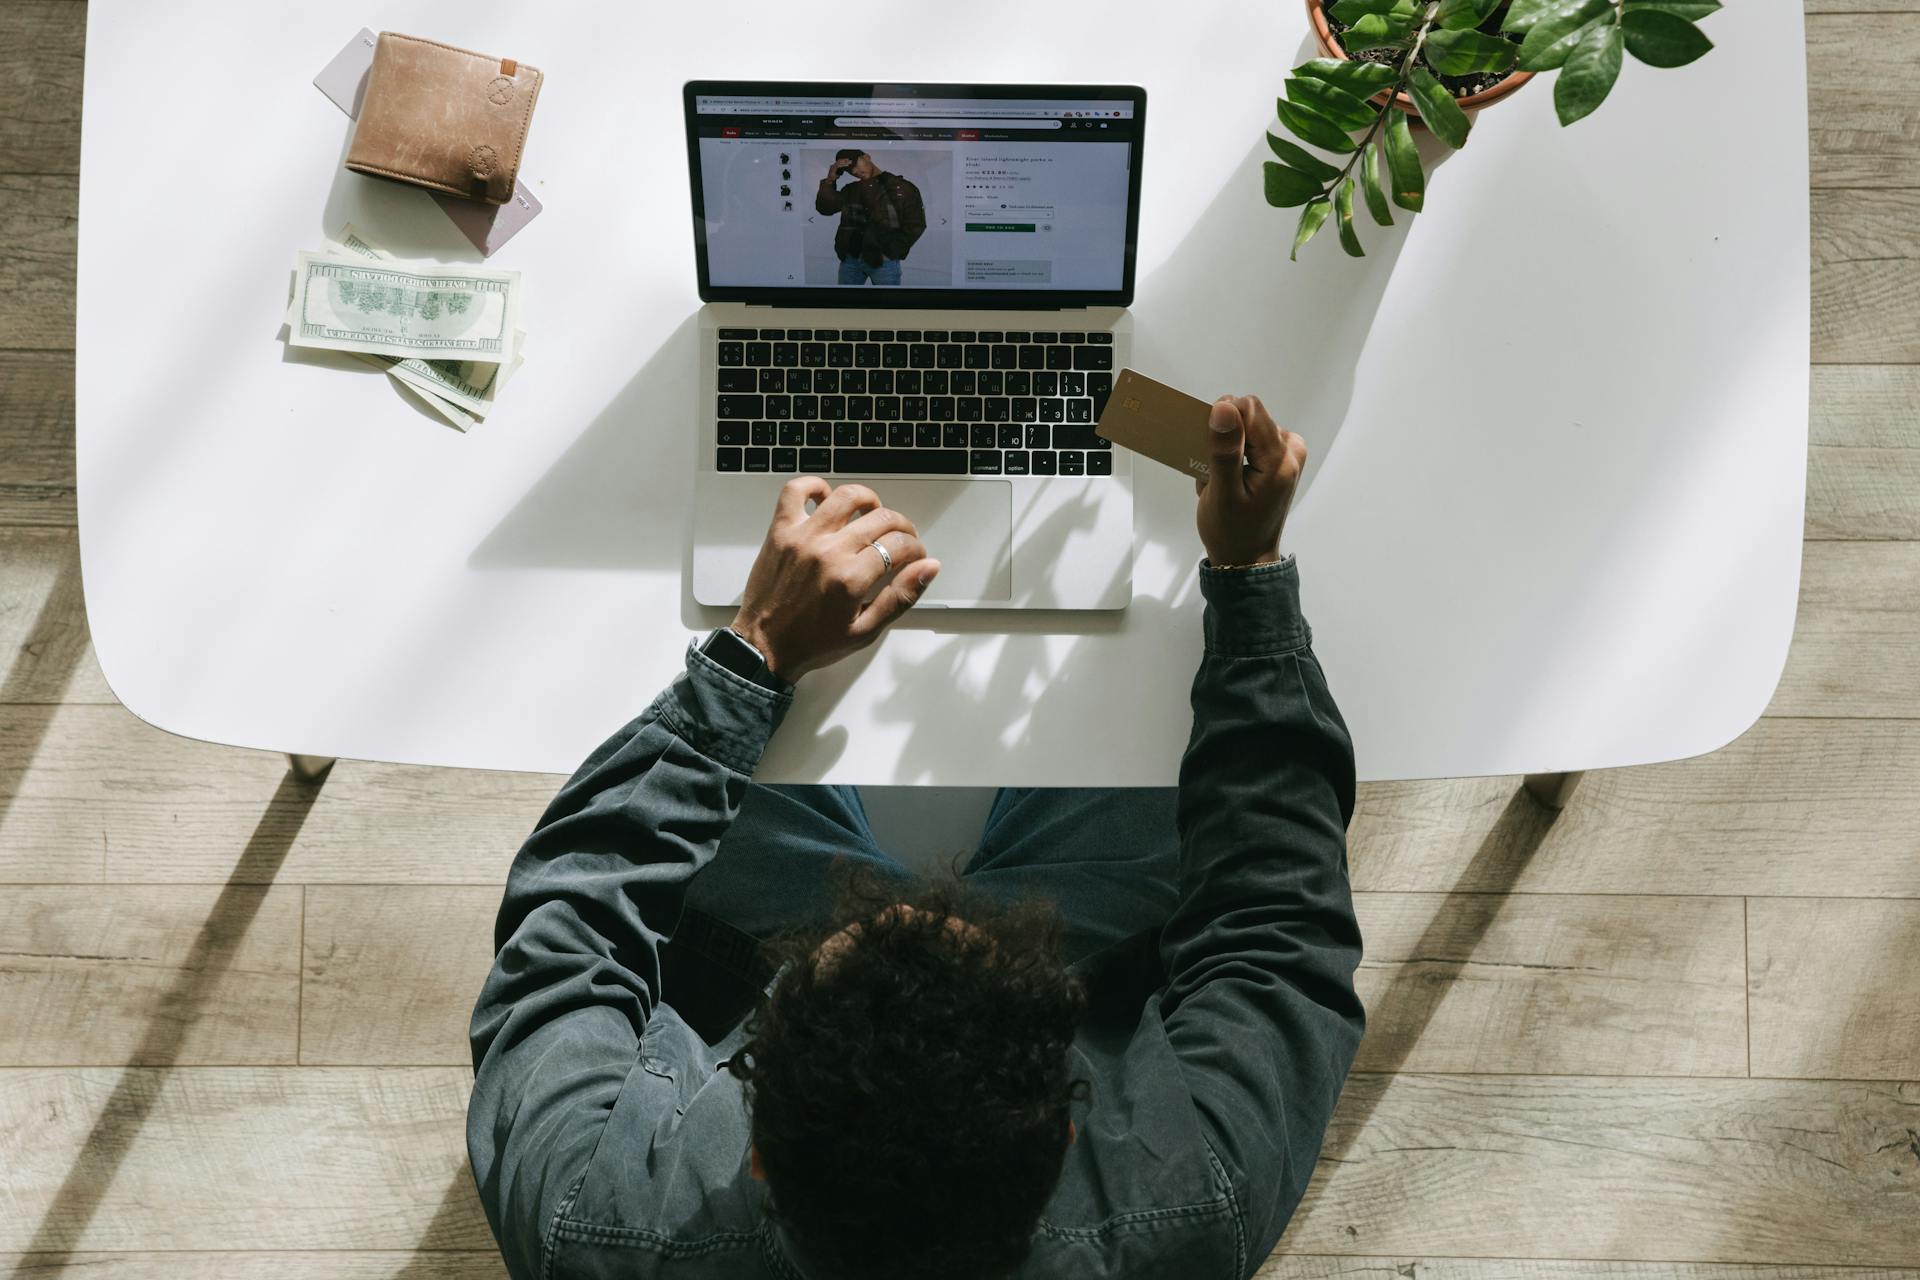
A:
(909, 1083)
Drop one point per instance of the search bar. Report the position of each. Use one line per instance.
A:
(938, 122)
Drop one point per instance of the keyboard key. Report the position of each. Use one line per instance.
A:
(947, 355)
(1046, 383)
(1092, 357)
(1053, 409)
(826, 335)
(917, 462)
(913, 408)
(779, 406)
(935, 335)
(839, 354)
(853, 335)
(1080, 409)
(785, 460)
(1070, 435)
(886, 407)
(1045, 463)
(1005, 357)
(773, 380)
(965, 381)
(1010, 435)
(732, 353)
(759, 352)
(991, 382)
(866, 355)
(907, 383)
(1045, 338)
(1100, 464)
(880, 381)
(873, 435)
(907, 335)
(833, 408)
(1019, 383)
(977, 356)
(799, 335)
(1101, 337)
(983, 435)
(791, 433)
(893, 355)
(816, 460)
(1025, 409)
(773, 334)
(999, 408)
(880, 335)
(954, 435)
(989, 335)
(1032, 357)
(732, 431)
(920, 355)
(799, 379)
(963, 335)
(984, 462)
(853, 381)
(846, 433)
(726, 459)
(1016, 336)
(1059, 357)
(738, 380)
(786, 354)
(741, 406)
(758, 460)
(936, 382)
(1073, 339)
(1073, 383)
(813, 354)
(806, 406)
(940, 408)
(900, 435)
(763, 433)
(967, 408)
(927, 435)
(1072, 462)
(826, 380)
(1037, 436)
(1099, 386)
(819, 434)
(1015, 462)
(736, 334)
(860, 408)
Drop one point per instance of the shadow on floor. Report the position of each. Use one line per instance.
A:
(43, 667)
(179, 1007)
(456, 1223)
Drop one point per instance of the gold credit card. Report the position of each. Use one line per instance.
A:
(1152, 418)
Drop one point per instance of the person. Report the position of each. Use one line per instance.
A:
(1111, 1047)
(881, 216)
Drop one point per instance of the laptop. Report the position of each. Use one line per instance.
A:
(921, 288)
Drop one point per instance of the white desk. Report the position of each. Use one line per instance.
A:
(1558, 422)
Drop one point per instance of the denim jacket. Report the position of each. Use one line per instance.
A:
(608, 1140)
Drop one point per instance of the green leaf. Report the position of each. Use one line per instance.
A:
(1343, 207)
(1351, 76)
(1375, 32)
(1312, 127)
(1312, 218)
(1691, 10)
(1302, 159)
(1351, 11)
(1437, 107)
(1288, 187)
(1551, 40)
(1457, 15)
(1461, 53)
(1370, 186)
(1316, 96)
(1660, 39)
(1403, 164)
(1589, 74)
(1525, 13)
(1485, 8)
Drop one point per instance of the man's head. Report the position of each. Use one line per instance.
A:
(859, 163)
(909, 1081)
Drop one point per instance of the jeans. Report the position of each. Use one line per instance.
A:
(1108, 860)
(856, 271)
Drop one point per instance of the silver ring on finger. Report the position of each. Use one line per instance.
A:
(886, 557)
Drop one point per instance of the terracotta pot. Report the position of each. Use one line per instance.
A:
(1331, 46)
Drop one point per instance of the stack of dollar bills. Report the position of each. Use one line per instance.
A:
(449, 335)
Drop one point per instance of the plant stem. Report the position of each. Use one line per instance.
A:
(1393, 100)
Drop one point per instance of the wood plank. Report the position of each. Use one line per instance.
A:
(1863, 107)
(1793, 807)
(41, 213)
(1832, 988)
(261, 1158)
(149, 974)
(1856, 640)
(36, 438)
(1862, 6)
(1863, 472)
(42, 45)
(1428, 1267)
(332, 1265)
(45, 652)
(1776, 1171)
(1866, 272)
(1614, 985)
(79, 780)
(391, 972)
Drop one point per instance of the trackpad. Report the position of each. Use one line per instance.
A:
(967, 525)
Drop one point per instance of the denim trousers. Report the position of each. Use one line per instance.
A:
(856, 271)
(1107, 859)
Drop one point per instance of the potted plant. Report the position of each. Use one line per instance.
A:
(1390, 62)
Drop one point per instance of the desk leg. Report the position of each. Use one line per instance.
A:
(1552, 789)
(309, 768)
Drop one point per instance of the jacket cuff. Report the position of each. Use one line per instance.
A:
(1254, 612)
(721, 715)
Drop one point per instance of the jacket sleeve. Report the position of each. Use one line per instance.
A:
(827, 199)
(1260, 952)
(591, 896)
(913, 216)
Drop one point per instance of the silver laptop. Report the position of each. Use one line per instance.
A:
(921, 288)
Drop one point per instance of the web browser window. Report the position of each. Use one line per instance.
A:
(923, 193)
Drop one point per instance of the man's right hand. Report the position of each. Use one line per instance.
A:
(811, 598)
(838, 167)
(1249, 485)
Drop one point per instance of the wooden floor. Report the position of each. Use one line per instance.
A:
(1674, 1032)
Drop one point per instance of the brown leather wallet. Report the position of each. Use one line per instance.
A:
(444, 118)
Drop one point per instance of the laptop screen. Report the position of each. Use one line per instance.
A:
(942, 195)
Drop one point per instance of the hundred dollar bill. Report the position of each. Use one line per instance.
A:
(344, 302)
(451, 412)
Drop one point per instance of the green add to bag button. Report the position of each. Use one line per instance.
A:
(999, 226)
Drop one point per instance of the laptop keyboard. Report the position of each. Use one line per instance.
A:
(930, 402)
